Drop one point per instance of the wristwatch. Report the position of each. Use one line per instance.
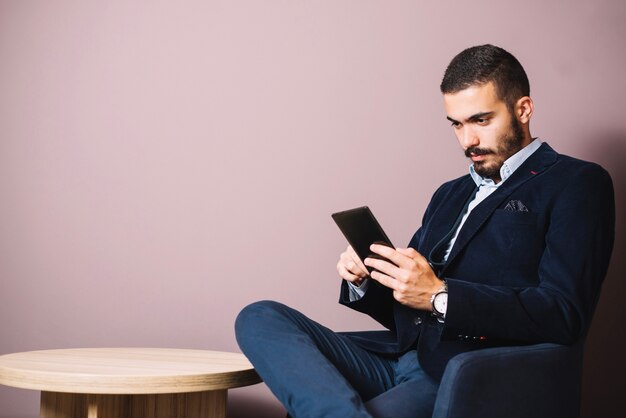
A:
(439, 302)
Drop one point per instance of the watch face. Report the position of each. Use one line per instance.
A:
(440, 303)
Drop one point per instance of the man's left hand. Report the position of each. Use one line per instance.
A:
(409, 275)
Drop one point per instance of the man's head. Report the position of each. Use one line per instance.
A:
(483, 64)
(486, 98)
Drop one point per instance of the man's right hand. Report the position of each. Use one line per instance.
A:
(351, 268)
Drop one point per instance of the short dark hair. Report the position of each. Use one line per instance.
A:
(482, 64)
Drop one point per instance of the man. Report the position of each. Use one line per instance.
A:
(512, 253)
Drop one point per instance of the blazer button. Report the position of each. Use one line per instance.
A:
(417, 320)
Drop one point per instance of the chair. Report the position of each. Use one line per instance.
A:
(541, 380)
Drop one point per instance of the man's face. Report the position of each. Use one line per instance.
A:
(485, 128)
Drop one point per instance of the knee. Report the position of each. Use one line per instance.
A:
(255, 318)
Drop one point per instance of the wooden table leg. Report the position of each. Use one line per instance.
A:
(61, 405)
(210, 404)
(78, 405)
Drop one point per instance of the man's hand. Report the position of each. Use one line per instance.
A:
(351, 268)
(412, 279)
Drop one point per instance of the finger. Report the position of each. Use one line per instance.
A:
(352, 255)
(354, 266)
(391, 254)
(416, 257)
(385, 280)
(409, 252)
(407, 258)
(346, 275)
(383, 266)
(358, 266)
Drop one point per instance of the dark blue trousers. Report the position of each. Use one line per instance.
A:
(317, 373)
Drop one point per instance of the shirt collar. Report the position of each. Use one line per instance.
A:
(509, 166)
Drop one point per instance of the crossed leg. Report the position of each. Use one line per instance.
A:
(316, 372)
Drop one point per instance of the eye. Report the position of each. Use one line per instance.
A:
(455, 124)
(482, 121)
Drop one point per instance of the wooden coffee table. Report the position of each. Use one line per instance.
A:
(128, 382)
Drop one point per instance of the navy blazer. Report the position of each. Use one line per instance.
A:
(513, 276)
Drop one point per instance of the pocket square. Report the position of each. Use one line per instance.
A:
(516, 206)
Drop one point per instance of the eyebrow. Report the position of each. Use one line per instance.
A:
(473, 118)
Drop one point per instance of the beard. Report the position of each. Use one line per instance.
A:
(509, 143)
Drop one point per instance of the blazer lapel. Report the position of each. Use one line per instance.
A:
(543, 158)
(447, 213)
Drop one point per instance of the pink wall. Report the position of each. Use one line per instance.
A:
(162, 165)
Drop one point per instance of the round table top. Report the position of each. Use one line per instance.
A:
(126, 370)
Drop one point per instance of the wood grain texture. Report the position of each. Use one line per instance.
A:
(126, 370)
(210, 404)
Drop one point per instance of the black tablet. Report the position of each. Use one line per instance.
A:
(361, 229)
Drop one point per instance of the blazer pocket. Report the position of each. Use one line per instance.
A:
(521, 240)
(506, 217)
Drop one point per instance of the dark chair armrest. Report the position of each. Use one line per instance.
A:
(541, 380)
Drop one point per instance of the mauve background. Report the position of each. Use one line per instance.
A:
(162, 164)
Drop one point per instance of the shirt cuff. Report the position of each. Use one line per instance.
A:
(357, 292)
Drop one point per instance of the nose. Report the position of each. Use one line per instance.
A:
(468, 137)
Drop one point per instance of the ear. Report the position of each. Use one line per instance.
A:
(524, 109)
